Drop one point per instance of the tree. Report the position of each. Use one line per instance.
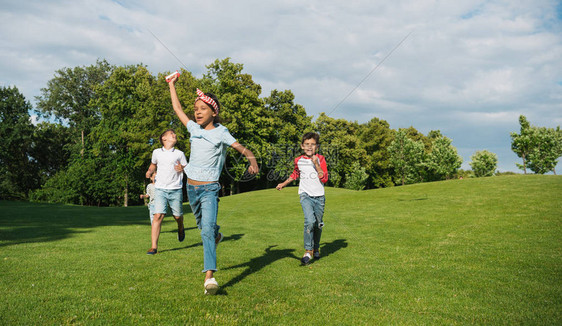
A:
(538, 147)
(443, 161)
(284, 123)
(17, 173)
(546, 150)
(522, 143)
(484, 163)
(118, 137)
(341, 137)
(51, 149)
(375, 137)
(68, 95)
(407, 157)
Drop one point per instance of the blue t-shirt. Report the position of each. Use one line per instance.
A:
(208, 151)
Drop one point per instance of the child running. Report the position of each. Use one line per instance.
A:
(169, 161)
(313, 172)
(150, 190)
(209, 142)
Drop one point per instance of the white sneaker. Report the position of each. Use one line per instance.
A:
(211, 286)
(306, 258)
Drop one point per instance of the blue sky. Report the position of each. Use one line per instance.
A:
(467, 68)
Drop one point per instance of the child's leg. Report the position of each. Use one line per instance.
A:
(319, 223)
(209, 229)
(204, 204)
(160, 203)
(175, 199)
(309, 221)
(156, 226)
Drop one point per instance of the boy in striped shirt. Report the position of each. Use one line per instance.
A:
(313, 173)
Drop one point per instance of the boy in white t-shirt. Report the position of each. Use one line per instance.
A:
(170, 162)
(313, 173)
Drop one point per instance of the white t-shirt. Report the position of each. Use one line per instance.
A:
(310, 183)
(166, 175)
(150, 192)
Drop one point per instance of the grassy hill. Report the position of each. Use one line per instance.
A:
(473, 251)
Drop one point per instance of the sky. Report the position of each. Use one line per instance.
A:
(466, 68)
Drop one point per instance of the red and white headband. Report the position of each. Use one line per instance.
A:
(201, 96)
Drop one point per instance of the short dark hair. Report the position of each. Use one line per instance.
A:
(165, 132)
(311, 135)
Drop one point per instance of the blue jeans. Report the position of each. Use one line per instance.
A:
(204, 201)
(313, 208)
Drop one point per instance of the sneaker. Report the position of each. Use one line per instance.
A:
(306, 258)
(211, 286)
(181, 235)
(152, 251)
(218, 239)
(316, 255)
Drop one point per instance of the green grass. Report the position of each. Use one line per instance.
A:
(474, 251)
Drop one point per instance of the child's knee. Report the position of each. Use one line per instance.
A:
(207, 231)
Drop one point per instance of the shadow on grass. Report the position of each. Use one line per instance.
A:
(327, 249)
(24, 222)
(272, 255)
(255, 264)
(233, 237)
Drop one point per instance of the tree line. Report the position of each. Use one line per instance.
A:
(105, 121)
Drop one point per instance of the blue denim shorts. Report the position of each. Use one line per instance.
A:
(168, 197)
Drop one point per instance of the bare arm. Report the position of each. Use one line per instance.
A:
(179, 167)
(317, 166)
(285, 183)
(253, 169)
(176, 101)
(151, 170)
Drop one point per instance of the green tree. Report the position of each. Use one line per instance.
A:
(68, 95)
(375, 137)
(545, 152)
(17, 173)
(342, 137)
(522, 142)
(538, 147)
(407, 157)
(51, 149)
(118, 137)
(443, 161)
(484, 163)
(283, 125)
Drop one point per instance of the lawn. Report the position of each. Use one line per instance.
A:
(474, 251)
